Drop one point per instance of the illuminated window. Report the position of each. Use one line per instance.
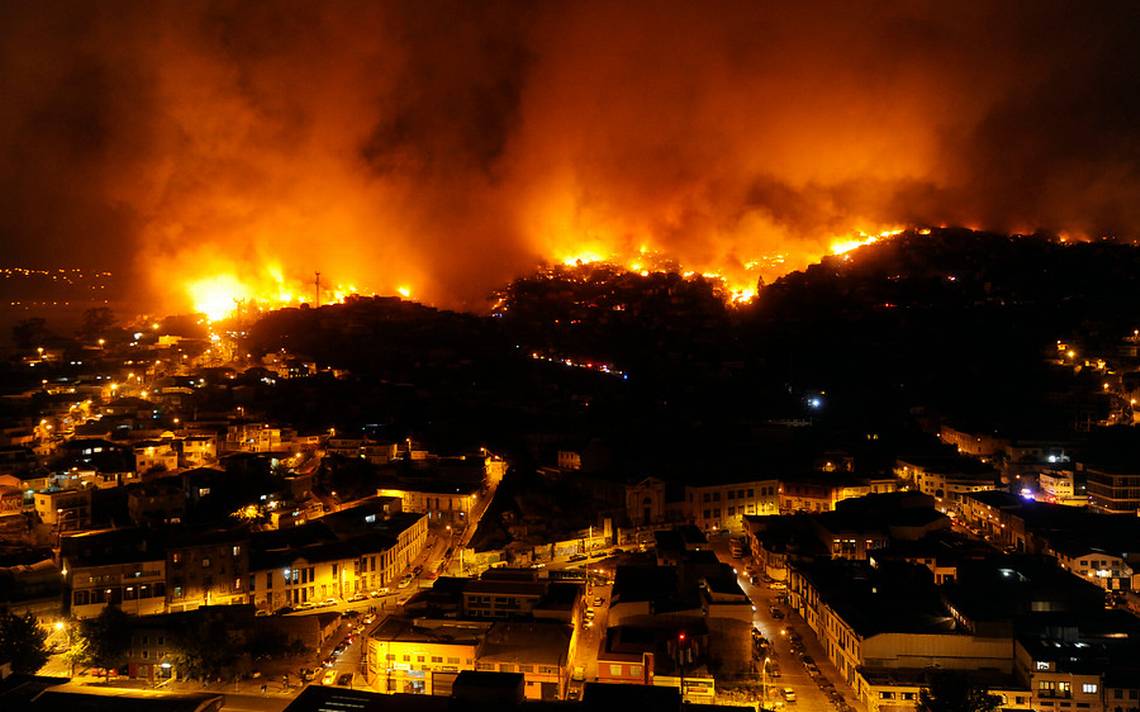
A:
(1089, 688)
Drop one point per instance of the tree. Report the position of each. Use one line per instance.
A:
(207, 649)
(954, 692)
(22, 641)
(29, 333)
(106, 639)
(97, 321)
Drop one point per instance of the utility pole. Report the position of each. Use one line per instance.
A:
(317, 284)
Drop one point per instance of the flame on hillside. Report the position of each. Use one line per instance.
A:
(227, 293)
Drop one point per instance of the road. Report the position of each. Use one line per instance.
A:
(792, 671)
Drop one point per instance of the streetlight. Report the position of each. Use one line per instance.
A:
(764, 680)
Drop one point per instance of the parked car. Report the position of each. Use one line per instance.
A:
(345, 680)
(789, 694)
(578, 557)
(329, 678)
(776, 613)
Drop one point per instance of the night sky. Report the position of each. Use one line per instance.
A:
(453, 145)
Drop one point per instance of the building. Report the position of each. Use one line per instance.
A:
(645, 502)
(1062, 674)
(540, 650)
(947, 479)
(875, 622)
(206, 568)
(1113, 489)
(821, 492)
(1107, 570)
(197, 450)
(135, 582)
(158, 502)
(315, 562)
(450, 502)
(972, 441)
(403, 657)
(66, 510)
(723, 506)
(373, 451)
(155, 455)
(1061, 487)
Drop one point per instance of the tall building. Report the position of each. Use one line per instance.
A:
(1113, 489)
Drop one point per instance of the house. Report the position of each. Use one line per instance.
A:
(66, 510)
(155, 455)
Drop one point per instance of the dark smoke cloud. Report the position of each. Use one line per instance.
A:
(451, 145)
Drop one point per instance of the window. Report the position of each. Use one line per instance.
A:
(237, 551)
(407, 658)
(178, 592)
(731, 511)
(1064, 687)
(419, 658)
(731, 494)
(750, 492)
(437, 659)
(176, 557)
(706, 514)
(706, 497)
(269, 580)
(237, 584)
(206, 563)
(615, 669)
(1089, 688)
(716, 496)
(886, 695)
(453, 661)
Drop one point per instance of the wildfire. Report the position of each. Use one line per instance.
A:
(232, 291)
(222, 296)
(846, 244)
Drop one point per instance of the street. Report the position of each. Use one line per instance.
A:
(792, 673)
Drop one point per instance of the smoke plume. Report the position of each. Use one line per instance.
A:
(448, 146)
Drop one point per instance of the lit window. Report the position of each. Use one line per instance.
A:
(1089, 688)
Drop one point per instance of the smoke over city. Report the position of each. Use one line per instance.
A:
(442, 148)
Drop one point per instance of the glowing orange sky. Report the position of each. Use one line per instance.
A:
(231, 150)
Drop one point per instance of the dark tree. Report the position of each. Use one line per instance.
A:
(22, 641)
(207, 649)
(106, 639)
(29, 333)
(954, 692)
(97, 321)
